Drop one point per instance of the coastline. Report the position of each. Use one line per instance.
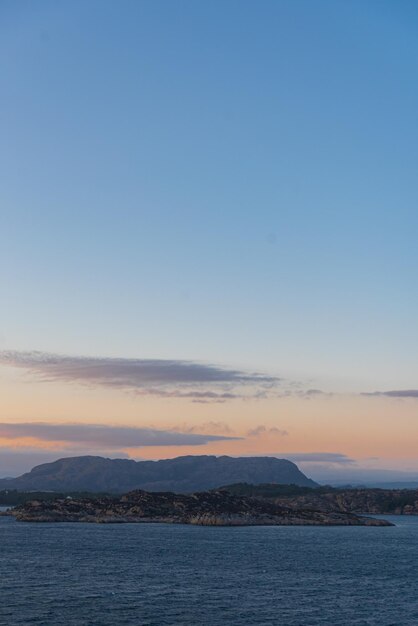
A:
(218, 508)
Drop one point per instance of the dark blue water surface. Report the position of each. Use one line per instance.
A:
(159, 574)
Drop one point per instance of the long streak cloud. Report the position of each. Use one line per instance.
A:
(162, 377)
(103, 435)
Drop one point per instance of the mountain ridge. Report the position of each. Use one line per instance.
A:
(184, 474)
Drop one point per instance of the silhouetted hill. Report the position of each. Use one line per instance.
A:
(183, 474)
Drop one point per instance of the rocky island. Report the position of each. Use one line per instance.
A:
(360, 500)
(211, 508)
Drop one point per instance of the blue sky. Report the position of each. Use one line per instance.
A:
(227, 182)
(162, 159)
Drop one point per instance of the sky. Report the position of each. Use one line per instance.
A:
(208, 220)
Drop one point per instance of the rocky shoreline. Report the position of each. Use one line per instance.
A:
(360, 500)
(216, 508)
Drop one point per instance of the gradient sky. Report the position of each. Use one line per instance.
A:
(215, 204)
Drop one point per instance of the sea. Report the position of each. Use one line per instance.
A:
(166, 575)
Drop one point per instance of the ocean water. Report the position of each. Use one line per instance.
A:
(157, 575)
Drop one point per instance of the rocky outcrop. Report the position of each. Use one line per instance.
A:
(327, 499)
(372, 501)
(218, 508)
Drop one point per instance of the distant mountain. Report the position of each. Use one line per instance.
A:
(184, 474)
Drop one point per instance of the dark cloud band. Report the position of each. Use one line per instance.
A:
(102, 435)
(394, 393)
(167, 378)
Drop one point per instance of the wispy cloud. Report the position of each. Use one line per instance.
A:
(162, 377)
(394, 393)
(101, 435)
(201, 397)
(264, 430)
(213, 428)
(319, 457)
(173, 378)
